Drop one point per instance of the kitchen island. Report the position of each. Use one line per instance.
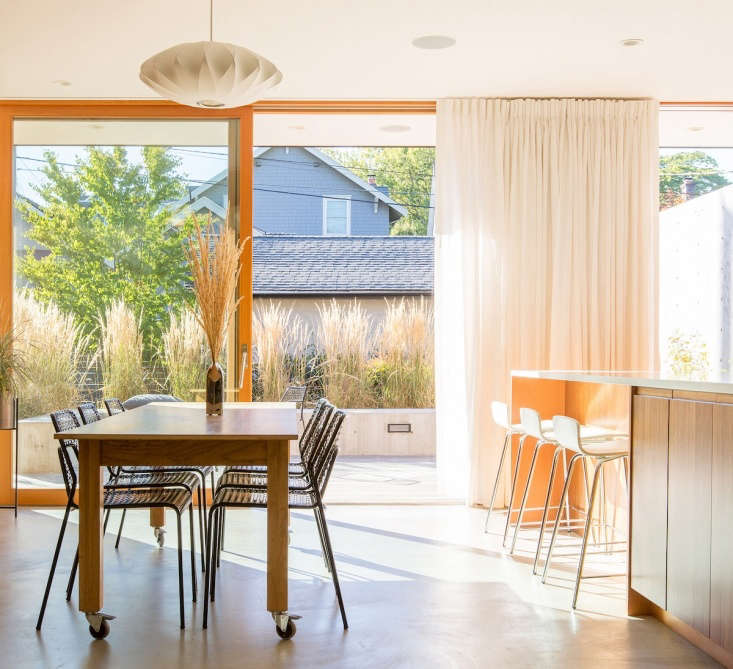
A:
(681, 488)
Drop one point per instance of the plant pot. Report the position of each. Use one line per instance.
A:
(214, 390)
(7, 411)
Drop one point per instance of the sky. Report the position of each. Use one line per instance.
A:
(199, 164)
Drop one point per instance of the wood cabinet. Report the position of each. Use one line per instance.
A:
(649, 498)
(689, 512)
(721, 557)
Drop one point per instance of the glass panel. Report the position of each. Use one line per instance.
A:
(695, 241)
(350, 315)
(336, 217)
(102, 213)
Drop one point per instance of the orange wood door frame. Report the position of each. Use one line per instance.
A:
(11, 110)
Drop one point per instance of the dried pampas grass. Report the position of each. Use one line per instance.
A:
(214, 260)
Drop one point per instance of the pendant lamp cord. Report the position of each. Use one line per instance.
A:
(211, 20)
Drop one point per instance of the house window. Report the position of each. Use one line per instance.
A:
(337, 215)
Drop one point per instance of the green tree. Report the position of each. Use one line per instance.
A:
(406, 171)
(108, 233)
(698, 165)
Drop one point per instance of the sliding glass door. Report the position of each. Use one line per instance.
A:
(102, 209)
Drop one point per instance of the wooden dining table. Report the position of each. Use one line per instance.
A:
(181, 433)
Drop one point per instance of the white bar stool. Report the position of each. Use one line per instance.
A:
(500, 414)
(604, 449)
(541, 430)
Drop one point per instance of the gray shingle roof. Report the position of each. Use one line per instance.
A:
(294, 265)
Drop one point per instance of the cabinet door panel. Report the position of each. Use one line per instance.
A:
(721, 569)
(649, 498)
(689, 519)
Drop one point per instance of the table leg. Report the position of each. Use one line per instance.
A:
(91, 575)
(157, 517)
(277, 526)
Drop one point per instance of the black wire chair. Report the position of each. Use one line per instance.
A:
(250, 491)
(296, 394)
(295, 467)
(178, 499)
(134, 478)
(114, 406)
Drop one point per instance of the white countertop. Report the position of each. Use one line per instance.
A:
(710, 383)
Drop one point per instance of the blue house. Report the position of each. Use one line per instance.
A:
(322, 232)
(302, 191)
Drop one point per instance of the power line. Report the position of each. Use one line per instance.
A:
(285, 192)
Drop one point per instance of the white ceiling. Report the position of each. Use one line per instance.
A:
(356, 49)
(702, 127)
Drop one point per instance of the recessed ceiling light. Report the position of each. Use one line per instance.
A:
(61, 82)
(632, 41)
(433, 42)
(696, 128)
(395, 128)
(296, 127)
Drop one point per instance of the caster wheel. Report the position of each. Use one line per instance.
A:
(288, 632)
(103, 630)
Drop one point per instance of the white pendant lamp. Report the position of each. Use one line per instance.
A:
(209, 74)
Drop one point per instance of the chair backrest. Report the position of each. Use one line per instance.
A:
(296, 394)
(89, 413)
(323, 464)
(500, 414)
(68, 450)
(114, 406)
(531, 422)
(146, 398)
(567, 432)
(306, 439)
(318, 425)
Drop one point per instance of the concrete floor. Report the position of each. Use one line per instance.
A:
(423, 585)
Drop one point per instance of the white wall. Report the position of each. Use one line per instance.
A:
(696, 260)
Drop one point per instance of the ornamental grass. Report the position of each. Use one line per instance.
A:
(214, 261)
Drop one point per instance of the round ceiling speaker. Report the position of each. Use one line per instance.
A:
(210, 74)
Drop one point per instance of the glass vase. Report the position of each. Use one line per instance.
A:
(214, 390)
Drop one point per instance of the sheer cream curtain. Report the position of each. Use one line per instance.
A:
(546, 257)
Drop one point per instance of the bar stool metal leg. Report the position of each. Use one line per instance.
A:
(540, 443)
(514, 485)
(586, 531)
(507, 443)
(573, 460)
(558, 452)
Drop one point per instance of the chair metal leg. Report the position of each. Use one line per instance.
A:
(334, 573)
(194, 584)
(180, 571)
(209, 558)
(567, 500)
(588, 519)
(202, 514)
(106, 520)
(221, 534)
(319, 525)
(558, 452)
(507, 441)
(53, 565)
(72, 575)
(540, 443)
(565, 487)
(514, 485)
(119, 531)
(215, 552)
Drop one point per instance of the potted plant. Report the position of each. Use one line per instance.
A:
(214, 259)
(12, 369)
